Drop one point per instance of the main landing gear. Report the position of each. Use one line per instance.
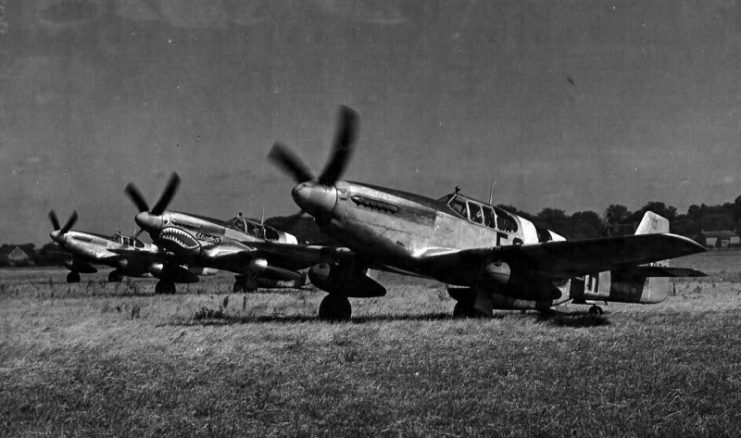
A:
(73, 277)
(596, 310)
(164, 287)
(335, 308)
(115, 277)
(465, 310)
(244, 283)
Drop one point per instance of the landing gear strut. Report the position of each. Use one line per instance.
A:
(244, 283)
(73, 277)
(465, 310)
(114, 277)
(335, 308)
(164, 287)
(596, 310)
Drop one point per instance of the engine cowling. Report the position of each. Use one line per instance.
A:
(346, 280)
(497, 272)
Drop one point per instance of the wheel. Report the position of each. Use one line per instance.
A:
(596, 310)
(164, 287)
(335, 308)
(239, 286)
(114, 277)
(73, 277)
(461, 310)
(244, 283)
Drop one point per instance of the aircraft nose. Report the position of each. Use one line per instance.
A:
(314, 198)
(54, 235)
(148, 221)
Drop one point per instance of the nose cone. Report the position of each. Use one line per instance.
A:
(54, 235)
(148, 221)
(314, 198)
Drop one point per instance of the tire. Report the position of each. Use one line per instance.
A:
(73, 277)
(335, 309)
(114, 277)
(463, 311)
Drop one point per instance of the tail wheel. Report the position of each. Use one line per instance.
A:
(335, 308)
(73, 277)
(596, 311)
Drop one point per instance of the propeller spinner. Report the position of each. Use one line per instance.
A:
(317, 195)
(151, 220)
(59, 232)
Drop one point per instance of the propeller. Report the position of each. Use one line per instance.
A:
(340, 156)
(138, 199)
(60, 231)
(162, 203)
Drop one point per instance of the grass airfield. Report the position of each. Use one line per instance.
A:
(105, 359)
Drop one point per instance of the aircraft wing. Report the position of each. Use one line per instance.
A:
(140, 256)
(564, 259)
(283, 259)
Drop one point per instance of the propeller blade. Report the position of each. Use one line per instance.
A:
(167, 195)
(342, 148)
(136, 197)
(70, 223)
(290, 163)
(54, 220)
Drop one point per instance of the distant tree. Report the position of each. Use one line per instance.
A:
(737, 212)
(694, 212)
(616, 214)
(585, 224)
(553, 219)
(717, 221)
(686, 225)
(657, 207)
(516, 211)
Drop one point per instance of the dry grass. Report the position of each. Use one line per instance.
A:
(100, 359)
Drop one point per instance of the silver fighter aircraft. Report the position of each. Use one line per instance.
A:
(128, 256)
(489, 257)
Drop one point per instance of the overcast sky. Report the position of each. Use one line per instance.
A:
(572, 104)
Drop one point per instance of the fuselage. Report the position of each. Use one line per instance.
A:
(201, 240)
(397, 229)
(97, 248)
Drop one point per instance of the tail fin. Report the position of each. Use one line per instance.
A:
(657, 288)
(652, 223)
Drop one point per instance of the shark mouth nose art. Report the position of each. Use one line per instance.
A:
(178, 237)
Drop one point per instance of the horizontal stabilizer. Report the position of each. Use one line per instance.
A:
(666, 271)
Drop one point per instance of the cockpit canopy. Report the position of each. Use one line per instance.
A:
(479, 212)
(254, 228)
(127, 241)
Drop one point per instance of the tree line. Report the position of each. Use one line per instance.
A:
(620, 220)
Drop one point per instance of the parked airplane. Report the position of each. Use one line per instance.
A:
(259, 254)
(127, 255)
(491, 258)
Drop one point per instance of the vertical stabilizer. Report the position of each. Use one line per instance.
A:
(652, 223)
(655, 289)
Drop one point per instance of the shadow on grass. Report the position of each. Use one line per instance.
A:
(219, 318)
(572, 319)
